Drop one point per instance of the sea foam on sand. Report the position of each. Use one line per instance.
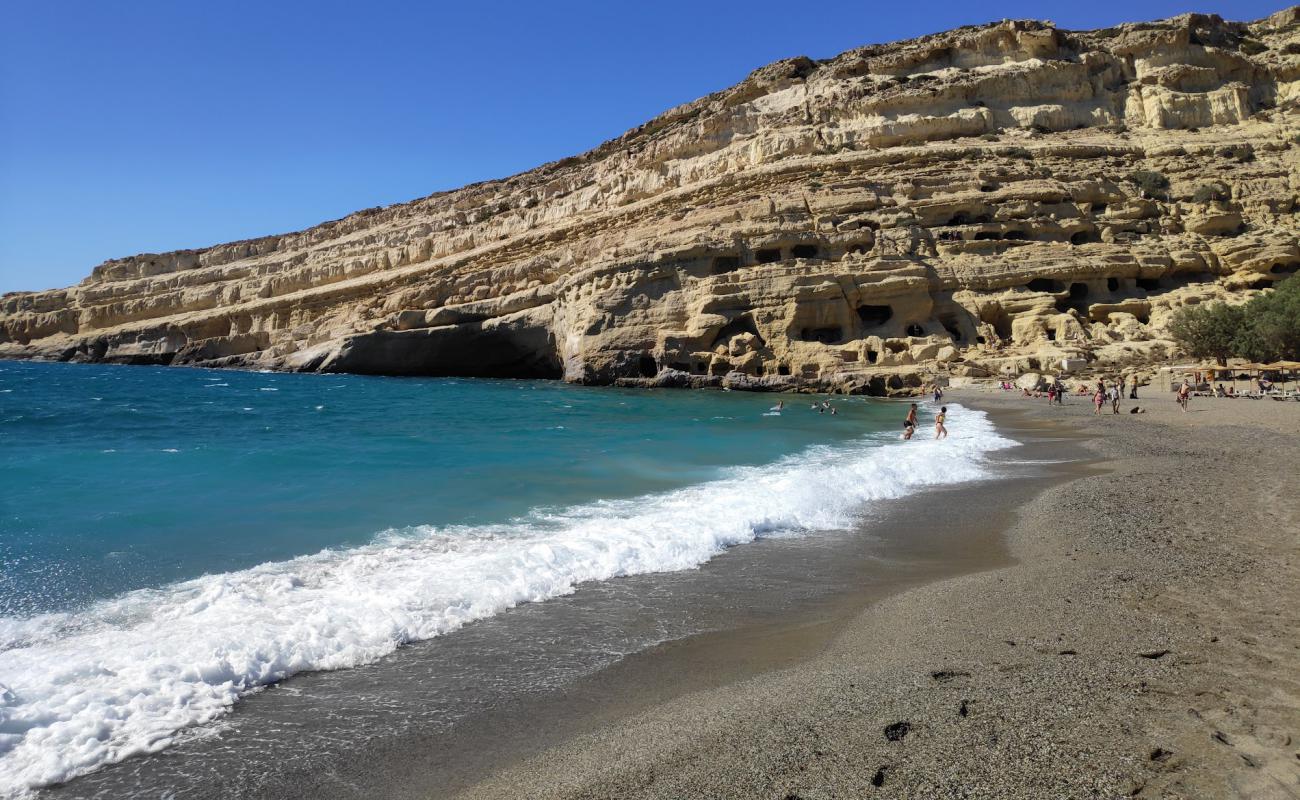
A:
(124, 676)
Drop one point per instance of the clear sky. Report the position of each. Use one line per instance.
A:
(154, 125)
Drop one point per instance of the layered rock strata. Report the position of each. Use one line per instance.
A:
(993, 197)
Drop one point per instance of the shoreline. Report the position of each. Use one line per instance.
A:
(712, 661)
(1137, 644)
(758, 611)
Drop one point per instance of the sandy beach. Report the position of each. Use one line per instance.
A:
(1138, 639)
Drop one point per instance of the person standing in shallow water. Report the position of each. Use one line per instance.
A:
(940, 431)
(909, 424)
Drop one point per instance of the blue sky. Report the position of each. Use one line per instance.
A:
(147, 126)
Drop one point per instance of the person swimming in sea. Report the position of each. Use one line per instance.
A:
(780, 404)
(940, 431)
(909, 424)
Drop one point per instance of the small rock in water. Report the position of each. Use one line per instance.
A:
(879, 778)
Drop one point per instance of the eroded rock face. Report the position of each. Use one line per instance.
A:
(991, 197)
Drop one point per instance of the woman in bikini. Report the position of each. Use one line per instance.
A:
(939, 430)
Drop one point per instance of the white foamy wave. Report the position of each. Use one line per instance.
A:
(127, 675)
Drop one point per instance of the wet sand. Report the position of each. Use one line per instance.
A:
(1129, 628)
(924, 546)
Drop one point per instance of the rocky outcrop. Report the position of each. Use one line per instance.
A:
(993, 197)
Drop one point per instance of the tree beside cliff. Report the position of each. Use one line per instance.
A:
(1208, 331)
(1266, 329)
(1272, 325)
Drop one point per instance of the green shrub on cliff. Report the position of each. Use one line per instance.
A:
(1153, 185)
(1211, 192)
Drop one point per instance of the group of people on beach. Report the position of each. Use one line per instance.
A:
(1104, 395)
(909, 424)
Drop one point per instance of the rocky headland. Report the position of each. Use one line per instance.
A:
(990, 199)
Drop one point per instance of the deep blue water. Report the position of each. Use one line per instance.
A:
(174, 539)
(118, 478)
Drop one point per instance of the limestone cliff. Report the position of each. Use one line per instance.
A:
(1006, 194)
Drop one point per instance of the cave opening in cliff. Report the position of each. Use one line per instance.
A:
(804, 251)
(873, 356)
(1099, 208)
(1112, 284)
(998, 317)
(827, 335)
(1083, 237)
(725, 264)
(960, 218)
(915, 330)
(782, 369)
(472, 350)
(768, 255)
(647, 367)
(1284, 269)
(873, 316)
(952, 327)
(1149, 284)
(988, 236)
(742, 324)
(1015, 236)
(1184, 279)
(1046, 285)
(1051, 334)
(1077, 300)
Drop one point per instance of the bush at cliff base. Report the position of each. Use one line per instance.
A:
(1266, 329)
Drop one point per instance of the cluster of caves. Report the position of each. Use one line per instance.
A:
(730, 262)
(1010, 233)
(958, 323)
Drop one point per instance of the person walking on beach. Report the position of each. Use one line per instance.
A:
(1184, 394)
(1115, 394)
(909, 424)
(1098, 400)
(940, 431)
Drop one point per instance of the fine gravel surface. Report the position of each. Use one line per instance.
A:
(1145, 642)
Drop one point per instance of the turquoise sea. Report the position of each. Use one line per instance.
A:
(172, 539)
